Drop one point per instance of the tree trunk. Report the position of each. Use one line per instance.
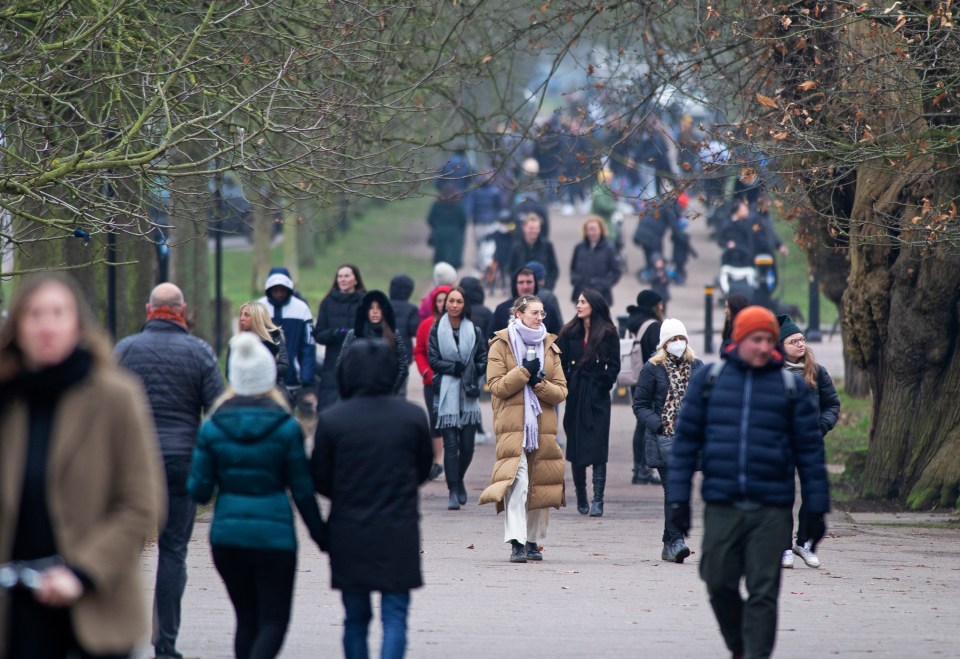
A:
(191, 206)
(901, 316)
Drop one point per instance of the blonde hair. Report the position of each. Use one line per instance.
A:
(810, 370)
(598, 220)
(520, 304)
(532, 217)
(260, 322)
(661, 355)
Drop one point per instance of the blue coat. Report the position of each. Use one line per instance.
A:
(752, 439)
(251, 452)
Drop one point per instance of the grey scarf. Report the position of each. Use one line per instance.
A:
(455, 410)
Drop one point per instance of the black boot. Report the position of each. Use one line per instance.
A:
(461, 493)
(599, 481)
(580, 485)
(454, 503)
(519, 553)
(635, 480)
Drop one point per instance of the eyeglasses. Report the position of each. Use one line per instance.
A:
(796, 342)
(538, 314)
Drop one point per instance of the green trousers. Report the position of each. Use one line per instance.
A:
(745, 544)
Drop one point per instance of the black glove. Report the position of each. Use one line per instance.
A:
(532, 366)
(457, 369)
(536, 379)
(816, 529)
(680, 516)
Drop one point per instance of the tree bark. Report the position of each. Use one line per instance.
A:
(262, 235)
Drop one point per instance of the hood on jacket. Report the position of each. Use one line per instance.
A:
(513, 283)
(401, 288)
(433, 297)
(369, 368)
(389, 317)
(474, 290)
(278, 277)
(249, 419)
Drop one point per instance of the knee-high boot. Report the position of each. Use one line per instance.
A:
(580, 485)
(599, 481)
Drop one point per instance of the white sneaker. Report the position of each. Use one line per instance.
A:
(787, 559)
(481, 438)
(806, 553)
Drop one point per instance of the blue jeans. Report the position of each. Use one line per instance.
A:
(393, 613)
(172, 545)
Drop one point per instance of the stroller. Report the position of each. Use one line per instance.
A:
(754, 278)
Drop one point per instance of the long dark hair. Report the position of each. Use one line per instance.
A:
(600, 324)
(356, 273)
(737, 303)
(467, 309)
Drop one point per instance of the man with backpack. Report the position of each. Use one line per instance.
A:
(752, 425)
(643, 321)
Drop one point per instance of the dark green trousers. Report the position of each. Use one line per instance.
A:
(745, 544)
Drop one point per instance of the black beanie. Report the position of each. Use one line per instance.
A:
(648, 299)
(787, 327)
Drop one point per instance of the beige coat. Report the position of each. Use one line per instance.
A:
(106, 494)
(545, 466)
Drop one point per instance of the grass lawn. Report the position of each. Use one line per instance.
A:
(384, 241)
(852, 431)
(794, 284)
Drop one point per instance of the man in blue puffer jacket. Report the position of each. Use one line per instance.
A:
(754, 425)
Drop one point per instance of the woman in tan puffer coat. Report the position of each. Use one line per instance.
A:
(526, 381)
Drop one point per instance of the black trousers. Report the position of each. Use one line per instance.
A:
(260, 585)
(458, 445)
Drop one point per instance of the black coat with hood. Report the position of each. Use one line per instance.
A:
(371, 476)
(336, 316)
(406, 312)
(363, 328)
(479, 314)
(501, 315)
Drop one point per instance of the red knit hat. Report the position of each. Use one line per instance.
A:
(754, 319)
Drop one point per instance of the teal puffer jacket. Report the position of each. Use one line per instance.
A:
(251, 452)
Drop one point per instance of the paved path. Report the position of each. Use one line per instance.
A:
(883, 591)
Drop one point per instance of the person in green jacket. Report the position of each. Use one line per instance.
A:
(250, 451)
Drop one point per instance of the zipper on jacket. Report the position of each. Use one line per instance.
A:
(744, 423)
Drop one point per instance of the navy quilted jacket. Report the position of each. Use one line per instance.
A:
(181, 376)
(752, 437)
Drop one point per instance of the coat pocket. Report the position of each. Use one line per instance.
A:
(657, 449)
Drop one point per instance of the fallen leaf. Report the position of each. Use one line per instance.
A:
(470, 547)
(804, 86)
(766, 100)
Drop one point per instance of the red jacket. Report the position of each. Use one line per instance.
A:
(423, 337)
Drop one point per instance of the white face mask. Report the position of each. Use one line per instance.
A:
(677, 348)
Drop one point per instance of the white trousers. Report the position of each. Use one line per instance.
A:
(519, 523)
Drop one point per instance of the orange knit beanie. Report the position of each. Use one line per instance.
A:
(754, 319)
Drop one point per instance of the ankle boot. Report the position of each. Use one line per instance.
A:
(599, 481)
(635, 480)
(461, 493)
(454, 503)
(580, 485)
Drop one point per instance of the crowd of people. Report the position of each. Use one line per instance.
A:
(160, 430)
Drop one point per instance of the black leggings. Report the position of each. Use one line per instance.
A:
(260, 585)
(458, 444)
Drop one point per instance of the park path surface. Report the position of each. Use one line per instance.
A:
(888, 586)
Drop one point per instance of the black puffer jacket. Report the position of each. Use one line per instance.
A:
(371, 476)
(180, 375)
(408, 317)
(826, 398)
(479, 314)
(335, 318)
(596, 267)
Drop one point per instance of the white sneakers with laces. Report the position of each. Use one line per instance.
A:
(806, 553)
(786, 561)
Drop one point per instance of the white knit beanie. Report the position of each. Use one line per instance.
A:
(253, 370)
(444, 274)
(670, 328)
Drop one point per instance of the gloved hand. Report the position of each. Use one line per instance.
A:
(457, 369)
(680, 516)
(532, 366)
(816, 529)
(536, 379)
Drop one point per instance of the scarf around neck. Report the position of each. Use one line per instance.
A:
(522, 337)
(166, 313)
(678, 375)
(455, 410)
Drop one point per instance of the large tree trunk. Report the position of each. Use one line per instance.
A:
(901, 316)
